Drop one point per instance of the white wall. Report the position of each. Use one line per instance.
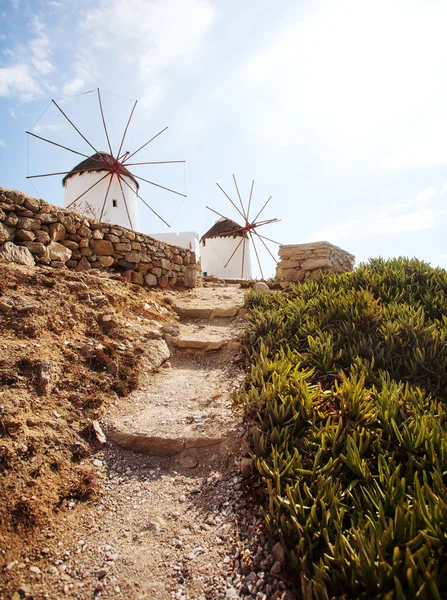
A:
(184, 239)
(78, 183)
(216, 252)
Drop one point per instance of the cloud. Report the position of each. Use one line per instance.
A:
(12, 113)
(391, 220)
(25, 77)
(46, 127)
(2, 143)
(19, 79)
(40, 48)
(356, 81)
(73, 86)
(158, 38)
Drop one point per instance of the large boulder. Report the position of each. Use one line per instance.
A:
(17, 254)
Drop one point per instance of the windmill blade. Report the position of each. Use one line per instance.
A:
(105, 199)
(233, 253)
(144, 145)
(249, 200)
(120, 179)
(91, 187)
(74, 126)
(149, 207)
(155, 162)
(61, 173)
(266, 222)
(104, 122)
(220, 215)
(127, 127)
(224, 192)
(262, 209)
(265, 246)
(160, 186)
(256, 252)
(268, 239)
(240, 199)
(55, 144)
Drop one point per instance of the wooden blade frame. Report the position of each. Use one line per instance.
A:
(114, 167)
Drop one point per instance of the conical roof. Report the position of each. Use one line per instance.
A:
(224, 228)
(100, 161)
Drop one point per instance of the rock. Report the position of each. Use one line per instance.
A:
(5, 306)
(83, 265)
(106, 261)
(150, 280)
(57, 232)
(35, 248)
(188, 462)
(163, 281)
(99, 433)
(102, 247)
(101, 573)
(316, 263)
(191, 277)
(42, 237)
(17, 254)
(97, 462)
(246, 466)
(132, 257)
(276, 568)
(262, 287)
(35, 570)
(47, 218)
(25, 236)
(278, 553)
(56, 251)
(29, 224)
(45, 373)
(6, 233)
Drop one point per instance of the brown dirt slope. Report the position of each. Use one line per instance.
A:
(69, 347)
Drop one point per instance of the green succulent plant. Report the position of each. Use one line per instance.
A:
(347, 386)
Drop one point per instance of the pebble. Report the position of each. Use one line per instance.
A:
(101, 573)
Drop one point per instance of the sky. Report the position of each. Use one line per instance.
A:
(336, 108)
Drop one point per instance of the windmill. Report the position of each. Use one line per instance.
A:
(106, 184)
(227, 228)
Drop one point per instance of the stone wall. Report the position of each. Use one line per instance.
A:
(35, 232)
(299, 262)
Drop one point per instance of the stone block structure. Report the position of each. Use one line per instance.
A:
(35, 232)
(299, 262)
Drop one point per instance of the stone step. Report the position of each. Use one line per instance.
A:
(186, 411)
(194, 312)
(201, 304)
(197, 335)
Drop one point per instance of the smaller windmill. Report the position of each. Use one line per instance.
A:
(238, 249)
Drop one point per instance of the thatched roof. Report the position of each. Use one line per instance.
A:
(224, 228)
(100, 161)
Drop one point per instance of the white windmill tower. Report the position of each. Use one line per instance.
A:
(225, 248)
(102, 185)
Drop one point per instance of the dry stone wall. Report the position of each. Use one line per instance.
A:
(299, 262)
(35, 232)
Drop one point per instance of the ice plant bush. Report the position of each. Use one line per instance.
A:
(348, 389)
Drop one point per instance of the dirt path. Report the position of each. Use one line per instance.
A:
(174, 519)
